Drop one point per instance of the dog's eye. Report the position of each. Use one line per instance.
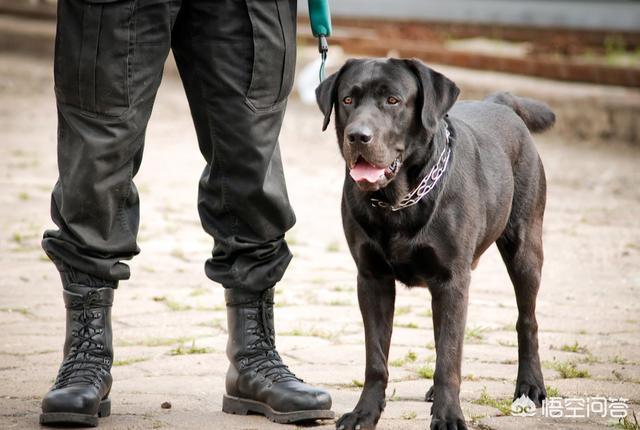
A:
(347, 100)
(392, 100)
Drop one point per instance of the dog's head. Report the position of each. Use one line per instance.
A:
(384, 109)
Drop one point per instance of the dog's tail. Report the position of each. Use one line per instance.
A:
(536, 115)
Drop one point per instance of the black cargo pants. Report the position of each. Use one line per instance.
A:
(236, 59)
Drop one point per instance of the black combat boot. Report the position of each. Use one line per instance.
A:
(257, 379)
(80, 393)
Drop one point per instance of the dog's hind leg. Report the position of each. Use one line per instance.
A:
(521, 248)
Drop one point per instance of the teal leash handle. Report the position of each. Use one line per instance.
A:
(320, 18)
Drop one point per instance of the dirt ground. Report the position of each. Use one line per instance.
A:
(169, 320)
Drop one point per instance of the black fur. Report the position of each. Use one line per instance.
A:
(493, 191)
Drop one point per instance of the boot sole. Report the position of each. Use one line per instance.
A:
(75, 419)
(239, 406)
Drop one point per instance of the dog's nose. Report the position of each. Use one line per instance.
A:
(360, 135)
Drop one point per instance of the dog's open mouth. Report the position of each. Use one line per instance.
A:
(363, 171)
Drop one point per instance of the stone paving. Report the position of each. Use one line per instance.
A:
(169, 320)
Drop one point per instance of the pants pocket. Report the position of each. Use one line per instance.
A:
(273, 24)
(94, 44)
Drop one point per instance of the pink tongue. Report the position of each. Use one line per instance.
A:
(364, 171)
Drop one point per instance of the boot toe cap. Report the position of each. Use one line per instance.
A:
(80, 400)
(298, 396)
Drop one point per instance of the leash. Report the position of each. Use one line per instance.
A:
(320, 18)
(427, 184)
(323, 49)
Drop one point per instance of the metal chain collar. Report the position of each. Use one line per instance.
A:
(426, 185)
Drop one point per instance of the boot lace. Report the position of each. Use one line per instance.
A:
(265, 359)
(86, 361)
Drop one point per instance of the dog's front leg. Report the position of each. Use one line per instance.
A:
(376, 296)
(449, 305)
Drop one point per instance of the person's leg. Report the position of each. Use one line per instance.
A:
(108, 65)
(236, 60)
(237, 89)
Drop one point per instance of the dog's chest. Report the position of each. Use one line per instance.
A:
(413, 264)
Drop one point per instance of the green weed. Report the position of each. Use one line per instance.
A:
(181, 350)
(503, 405)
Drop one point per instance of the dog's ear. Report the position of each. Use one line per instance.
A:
(436, 94)
(327, 92)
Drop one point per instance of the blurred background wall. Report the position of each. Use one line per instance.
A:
(586, 42)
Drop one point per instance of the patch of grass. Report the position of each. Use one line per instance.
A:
(474, 333)
(21, 311)
(398, 362)
(589, 359)
(128, 361)
(427, 314)
(343, 289)
(402, 310)
(333, 247)
(407, 325)
(311, 332)
(155, 341)
(357, 383)
(552, 391)
(503, 405)
(181, 350)
(409, 357)
(179, 254)
(200, 291)
(470, 377)
(425, 371)
(291, 239)
(619, 360)
(215, 323)
(175, 306)
(567, 370)
(338, 302)
(215, 308)
(409, 415)
(24, 196)
(476, 418)
(627, 423)
(283, 303)
(17, 237)
(575, 347)
(171, 304)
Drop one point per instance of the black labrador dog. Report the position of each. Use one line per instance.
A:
(429, 186)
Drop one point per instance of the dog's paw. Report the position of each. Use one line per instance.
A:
(531, 388)
(429, 396)
(447, 415)
(448, 424)
(358, 419)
